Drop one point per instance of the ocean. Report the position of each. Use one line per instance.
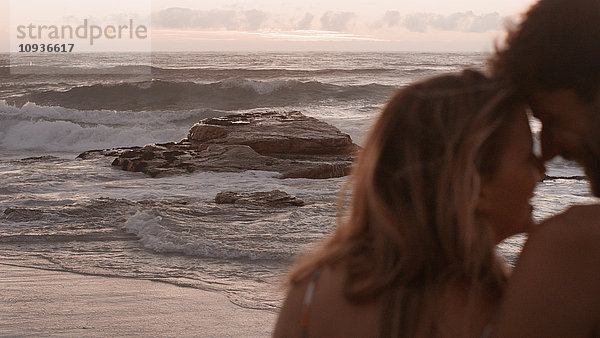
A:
(62, 213)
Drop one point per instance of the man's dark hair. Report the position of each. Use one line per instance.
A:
(557, 46)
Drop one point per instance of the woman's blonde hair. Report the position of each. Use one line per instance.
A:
(412, 227)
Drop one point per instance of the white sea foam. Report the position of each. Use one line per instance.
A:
(155, 235)
(41, 128)
(68, 136)
(260, 87)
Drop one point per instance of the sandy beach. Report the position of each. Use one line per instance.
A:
(37, 302)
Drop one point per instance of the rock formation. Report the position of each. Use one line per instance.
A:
(275, 198)
(290, 143)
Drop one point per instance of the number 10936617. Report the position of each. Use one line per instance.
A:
(46, 48)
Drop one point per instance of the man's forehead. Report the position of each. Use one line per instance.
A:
(564, 109)
(550, 98)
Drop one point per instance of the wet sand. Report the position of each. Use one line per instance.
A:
(37, 302)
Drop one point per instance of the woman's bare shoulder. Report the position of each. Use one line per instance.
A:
(328, 305)
(289, 321)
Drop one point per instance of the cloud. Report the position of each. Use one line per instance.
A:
(254, 19)
(238, 19)
(306, 22)
(417, 22)
(391, 18)
(486, 22)
(337, 21)
(460, 21)
(173, 18)
(234, 20)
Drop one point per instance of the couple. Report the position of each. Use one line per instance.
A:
(446, 174)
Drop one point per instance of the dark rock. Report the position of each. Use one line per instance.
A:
(109, 152)
(147, 155)
(575, 178)
(131, 154)
(172, 155)
(205, 132)
(322, 170)
(275, 198)
(290, 143)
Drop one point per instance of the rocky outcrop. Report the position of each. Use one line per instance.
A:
(275, 198)
(290, 143)
(273, 133)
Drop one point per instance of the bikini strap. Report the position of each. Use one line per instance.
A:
(308, 297)
(487, 330)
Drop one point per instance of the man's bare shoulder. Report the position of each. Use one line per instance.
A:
(566, 243)
(557, 275)
(577, 227)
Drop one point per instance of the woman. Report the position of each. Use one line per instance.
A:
(446, 174)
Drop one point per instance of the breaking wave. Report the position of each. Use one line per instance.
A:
(157, 236)
(34, 127)
(184, 72)
(229, 94)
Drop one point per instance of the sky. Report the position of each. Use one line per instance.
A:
(282, 25)
(425, 25)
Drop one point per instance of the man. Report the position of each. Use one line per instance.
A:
(553, 56)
